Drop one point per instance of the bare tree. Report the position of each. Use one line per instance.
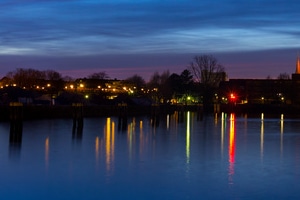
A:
(52, 75)
(207, 70)
(68, 79)
(27, 77)
(99, 75)
(154, 80)
(159, 84)
(284, 76)
(137, 80)
(158, 79)
(209, 73)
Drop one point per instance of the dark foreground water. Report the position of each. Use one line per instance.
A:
(171, 157)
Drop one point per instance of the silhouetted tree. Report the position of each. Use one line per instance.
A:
(27, 78)
(136, 80)
(180, 84)
(284, 76)
(55, 79)
(99, 75)
(159, 86)
(207, 70)
(68, 79)
(32, 78)
(52, 75)
(209, 73)
(186, 77)
(154, 81)
(175, 82)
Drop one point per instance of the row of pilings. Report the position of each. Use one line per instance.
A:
(16, 117)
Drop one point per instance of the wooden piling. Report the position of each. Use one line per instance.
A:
(155, 112)
(217, 108)
(77, 114)
(16, 121)
(123, 116)
(199, 112)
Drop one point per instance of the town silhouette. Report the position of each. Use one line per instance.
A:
(202, 86)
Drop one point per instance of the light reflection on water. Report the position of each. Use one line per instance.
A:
(177, 156)
(231, 148)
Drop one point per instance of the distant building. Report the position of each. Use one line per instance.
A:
(263, 91)
(296, 83)
(257, 91)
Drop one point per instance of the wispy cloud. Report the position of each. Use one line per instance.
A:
(143, 34)
(75, 27)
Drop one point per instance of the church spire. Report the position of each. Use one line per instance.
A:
(298, 65)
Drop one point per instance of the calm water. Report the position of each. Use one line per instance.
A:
(174, 157)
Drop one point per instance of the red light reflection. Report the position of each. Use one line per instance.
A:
(231, 148)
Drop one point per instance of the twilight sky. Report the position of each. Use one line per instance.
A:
(251, 38)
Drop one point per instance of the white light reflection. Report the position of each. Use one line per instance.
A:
(168, 122)
(262, 129)
(281, 132)
(223, 125)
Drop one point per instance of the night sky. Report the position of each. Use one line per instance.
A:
(251, 38)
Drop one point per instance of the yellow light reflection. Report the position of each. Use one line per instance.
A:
(141, 139)
(47, 152)
(97, 149)
(216, 118)
(141, 125)
(281, 123)
(262, 130)
(231, 150)
(131, 137)
(109, 142)
(188, 137)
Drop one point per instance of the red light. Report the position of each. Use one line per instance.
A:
(232, 96)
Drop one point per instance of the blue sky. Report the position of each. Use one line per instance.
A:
(252, 39)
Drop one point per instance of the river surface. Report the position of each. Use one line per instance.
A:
(178, 156)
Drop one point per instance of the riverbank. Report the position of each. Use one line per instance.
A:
(68, 111)
(271, 109)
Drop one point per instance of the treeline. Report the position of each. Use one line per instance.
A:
(197, 82)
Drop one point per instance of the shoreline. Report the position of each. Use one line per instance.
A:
(68, 111)
(78, 110)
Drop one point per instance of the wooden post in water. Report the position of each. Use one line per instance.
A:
(199, 112)
(155, 110)
(16, 125)
(217, 108)
(181, 111)
(123, 112)
(77, 119)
